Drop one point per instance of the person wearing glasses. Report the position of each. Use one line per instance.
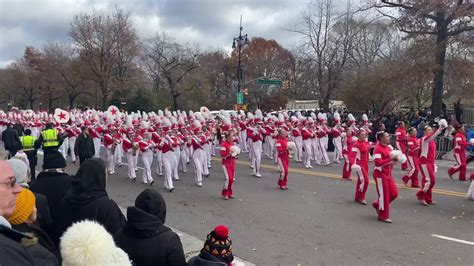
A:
(12, 251)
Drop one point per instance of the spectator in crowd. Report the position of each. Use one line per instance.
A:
(37, 243)
(10, 140)
(458, 111)
(84, 147)
(88, 243)
(217, 249)
(87, 199)
(12, 251)
(20, 171)
(52, 182)
(145, 238)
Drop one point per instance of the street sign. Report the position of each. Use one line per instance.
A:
(240, 98)
(269, 81)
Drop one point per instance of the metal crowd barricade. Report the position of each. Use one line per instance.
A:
(444, 145)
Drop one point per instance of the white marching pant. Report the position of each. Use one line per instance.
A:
(110, 160)
(135, 160)
(198, 157)
(72, 144)
(64, 147)
(337, 148)
(168, 162)
(299, 148)
(96, 147)
(324, 158)
(243, 140)
(177, 155)
(159, 162)
(315, 150)
(131, 165)
(147, 158)
(183, 159)
(257, 156)
(308, 152)
(119, 154)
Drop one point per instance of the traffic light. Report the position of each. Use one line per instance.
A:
(246, 91)
(286, 84)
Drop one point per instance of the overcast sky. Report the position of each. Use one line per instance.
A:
(208, 23)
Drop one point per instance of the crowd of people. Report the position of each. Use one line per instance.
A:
(44, 216)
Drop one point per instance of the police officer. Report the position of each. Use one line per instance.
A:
(28, 143)
(49, 139)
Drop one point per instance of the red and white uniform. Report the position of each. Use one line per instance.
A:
(427, 166)
(413, 154)
(307, 135)
(348, 156)
(386, 188)
(256, 135)
(298, 139)
(95, 135)
(146, 150)
(336, 132)
(108, 144)
(127, 146)
(283, 161)
(460, 144)
(198, 156)
(401, 143)
(361, 151)
(169, 159)
(228, 165)
(158, 153)
(72, 133)
(243, 136)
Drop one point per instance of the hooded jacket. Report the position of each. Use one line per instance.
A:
(145, 238)
(87, 199)
(12, 251)
(205, 259)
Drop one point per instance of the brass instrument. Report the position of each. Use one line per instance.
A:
(135, 149)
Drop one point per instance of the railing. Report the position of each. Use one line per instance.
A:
(444, 145)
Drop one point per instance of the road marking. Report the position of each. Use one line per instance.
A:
(454, 239)
(333, 176)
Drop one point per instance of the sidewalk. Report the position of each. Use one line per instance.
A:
(192, 246)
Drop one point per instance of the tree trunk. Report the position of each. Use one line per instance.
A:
(440, 58)
(176, 101)
(105, 93)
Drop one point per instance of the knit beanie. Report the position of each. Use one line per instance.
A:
(20, 171)
(219, 244)
(53, 159)
(25, 202)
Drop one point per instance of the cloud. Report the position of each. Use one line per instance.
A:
(208, 23)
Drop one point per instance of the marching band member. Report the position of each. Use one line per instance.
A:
(257, 135)
(427, 163)
(283, 158)
(95, 131)
(155, 136)
(336, 132)
(197, 142)
(413, 159)
(307, 135)
(130, 149)
(228, 163)
(361, 149)
(167, 146)
(460, 144)
(146, 149)
(401, 141)
(110, 145)
(297, 139)
(347, 154)
(243, 133)
(386, 188)
(72, 132)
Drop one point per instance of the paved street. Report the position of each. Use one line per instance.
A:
(316, 222)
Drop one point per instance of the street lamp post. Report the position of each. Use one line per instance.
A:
(239, 43)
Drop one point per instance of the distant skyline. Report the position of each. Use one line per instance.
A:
(208, 23)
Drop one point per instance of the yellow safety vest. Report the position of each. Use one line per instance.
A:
(50, 138)
(28, 142)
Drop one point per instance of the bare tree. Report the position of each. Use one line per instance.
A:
(328, 42)
(169, 61)
(441, 18)
(106, 44)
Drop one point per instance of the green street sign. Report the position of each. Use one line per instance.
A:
(240, 98)
(269, 81)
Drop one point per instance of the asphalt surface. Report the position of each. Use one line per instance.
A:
(315, 221)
